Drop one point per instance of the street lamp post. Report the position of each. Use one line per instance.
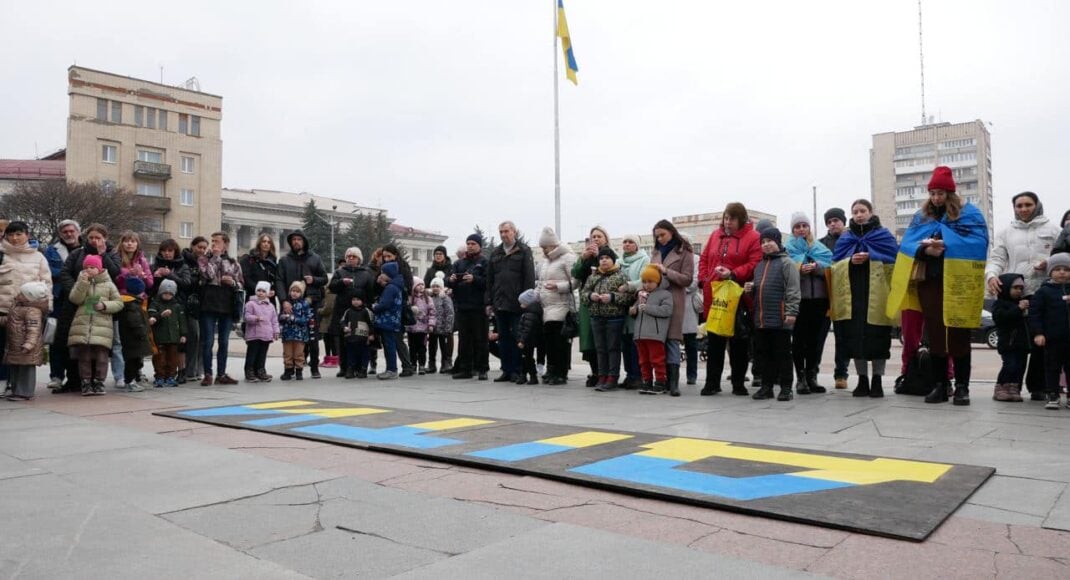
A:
(334, 208)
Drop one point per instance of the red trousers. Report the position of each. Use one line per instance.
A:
(651, 359)
(912, 328)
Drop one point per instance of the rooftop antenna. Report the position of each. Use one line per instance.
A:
(921, 58)
(192, 84)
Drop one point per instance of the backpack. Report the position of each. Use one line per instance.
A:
(918, 379)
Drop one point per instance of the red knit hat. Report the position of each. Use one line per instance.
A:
(942, 179)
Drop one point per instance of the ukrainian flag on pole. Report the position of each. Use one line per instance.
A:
(566, 43)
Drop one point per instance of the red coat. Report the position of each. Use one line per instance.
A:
(739, 252)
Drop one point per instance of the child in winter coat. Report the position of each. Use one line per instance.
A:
(442, 333)
(91, 333)
(356, 326)
(652, 313)
(295, 330)
(1010, 313)
(261, 328)
(330, 340)
(529, 336)
(1049, 319)
(607, 304)
(776, 304)
(387, 312)
(423, 309)
(133, 325)
(167, 317)
(25, 340)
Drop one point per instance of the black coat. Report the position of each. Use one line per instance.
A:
(295, 266)
(865, 341)
(529, 330)
(69, 275)
(134, 331)
(508, 275)
(180, 274)
(446, 268)
(1049, 312)
(258, 269)
(363, 287)
(196, 287)
(469, 296)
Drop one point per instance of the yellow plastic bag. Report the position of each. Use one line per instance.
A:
(724, 301)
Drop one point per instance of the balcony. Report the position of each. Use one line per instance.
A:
(150, 170)
(151, 203)
(153, 238)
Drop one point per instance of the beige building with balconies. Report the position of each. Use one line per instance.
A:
(900, 165)
(160, 141)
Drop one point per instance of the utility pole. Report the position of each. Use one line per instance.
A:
(334, 208)
(815, 213)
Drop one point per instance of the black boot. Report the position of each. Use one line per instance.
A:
(287, 374)
(674, 380)
(876, 391)
(741, 391)
(785, 393)
(938, 394)
(299, 374)
(764, 392)
(862, 390)
(801, 384)
(962, 395)
(962, 381)
(811, 377)
(711, 387)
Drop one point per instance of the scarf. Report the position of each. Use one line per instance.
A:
(803, 252)
(666, 248)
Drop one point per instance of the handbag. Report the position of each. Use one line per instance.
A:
(49, 335)
(725, 305)
(570, 327)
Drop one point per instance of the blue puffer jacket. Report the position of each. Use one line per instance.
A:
(388, 309)
(295, 327)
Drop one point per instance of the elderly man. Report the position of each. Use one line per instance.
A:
(70, 239)
(510, 271)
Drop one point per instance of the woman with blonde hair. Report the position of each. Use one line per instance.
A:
(808, 335)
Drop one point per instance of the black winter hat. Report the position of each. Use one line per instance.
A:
(607, 251)
(773, 234)
(835, 213)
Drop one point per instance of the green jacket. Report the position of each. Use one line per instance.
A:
(169, 329)
(90, 326)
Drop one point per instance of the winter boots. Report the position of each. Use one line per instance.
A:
(802, 385)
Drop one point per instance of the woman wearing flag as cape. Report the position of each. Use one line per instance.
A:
(808, 336)
(861, 273)
(941, 268)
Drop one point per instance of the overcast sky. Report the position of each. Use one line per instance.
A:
(442, 112)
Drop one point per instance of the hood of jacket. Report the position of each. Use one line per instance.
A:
(1006, 280)
(392, 270)
(164, 262)
(305, 249)
(26, 248)
(1039, 220)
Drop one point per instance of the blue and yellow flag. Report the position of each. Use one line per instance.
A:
(566, 43)
(966, 243)
(880, 244)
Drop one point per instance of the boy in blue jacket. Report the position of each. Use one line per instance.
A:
(388, 316)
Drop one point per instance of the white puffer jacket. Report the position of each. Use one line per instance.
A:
(1019, 248)
(558, 269)
(21, 264)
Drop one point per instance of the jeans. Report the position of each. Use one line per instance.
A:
(118, 365)
(631, 357)
(510, 352)
(672, 352)
(607, 343)
(390, 349)
(1013, 369)
(210, 323)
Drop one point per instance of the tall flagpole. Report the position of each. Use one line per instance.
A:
(557, 143)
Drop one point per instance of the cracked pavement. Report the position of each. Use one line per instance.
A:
(102, 488)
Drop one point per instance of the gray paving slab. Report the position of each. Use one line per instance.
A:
(55, 529)
(165, 475)
(565, 551)
(68, 439)
(1016, 494)
(1059, 516)
(13, 467)
(19, 416)
(338, 554)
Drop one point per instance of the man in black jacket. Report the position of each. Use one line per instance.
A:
(302, 264)
(510, 271)
(352, 280)
(469, 283)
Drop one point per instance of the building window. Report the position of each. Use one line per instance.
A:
(109, 154)
(152, 224)
(116, 112)
(186, 197)
(187, 165)
(102, 109)
(150, 188)
(185, 230)
(150, 156)
(163, 120)
(183, 123)
(195, 125)
(139, 115)
(150, 118)
(430, 255)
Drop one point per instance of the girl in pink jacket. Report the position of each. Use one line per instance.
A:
(261, 328)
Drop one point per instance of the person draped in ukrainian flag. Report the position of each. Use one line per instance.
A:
(862, 265)
(941, 269)
(808, 335)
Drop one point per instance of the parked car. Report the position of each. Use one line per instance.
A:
(984, 334)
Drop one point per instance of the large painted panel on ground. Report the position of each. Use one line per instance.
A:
(876, 495)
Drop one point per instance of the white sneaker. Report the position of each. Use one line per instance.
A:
(133, 387)
(55, 383)
(541, 369)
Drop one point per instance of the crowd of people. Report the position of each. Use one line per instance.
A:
(635, 316)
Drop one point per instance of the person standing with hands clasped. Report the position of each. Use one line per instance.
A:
(261, 329)
(607, 305)
(167, 317)
(652, 312)
(296, 325)
(96, 300)
(776, 305)
(1049, 319)
(1010, 312)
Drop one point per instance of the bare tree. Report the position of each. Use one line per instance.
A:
(44, 204)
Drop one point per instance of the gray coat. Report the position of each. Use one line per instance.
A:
(776, 291)
(652, 322)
